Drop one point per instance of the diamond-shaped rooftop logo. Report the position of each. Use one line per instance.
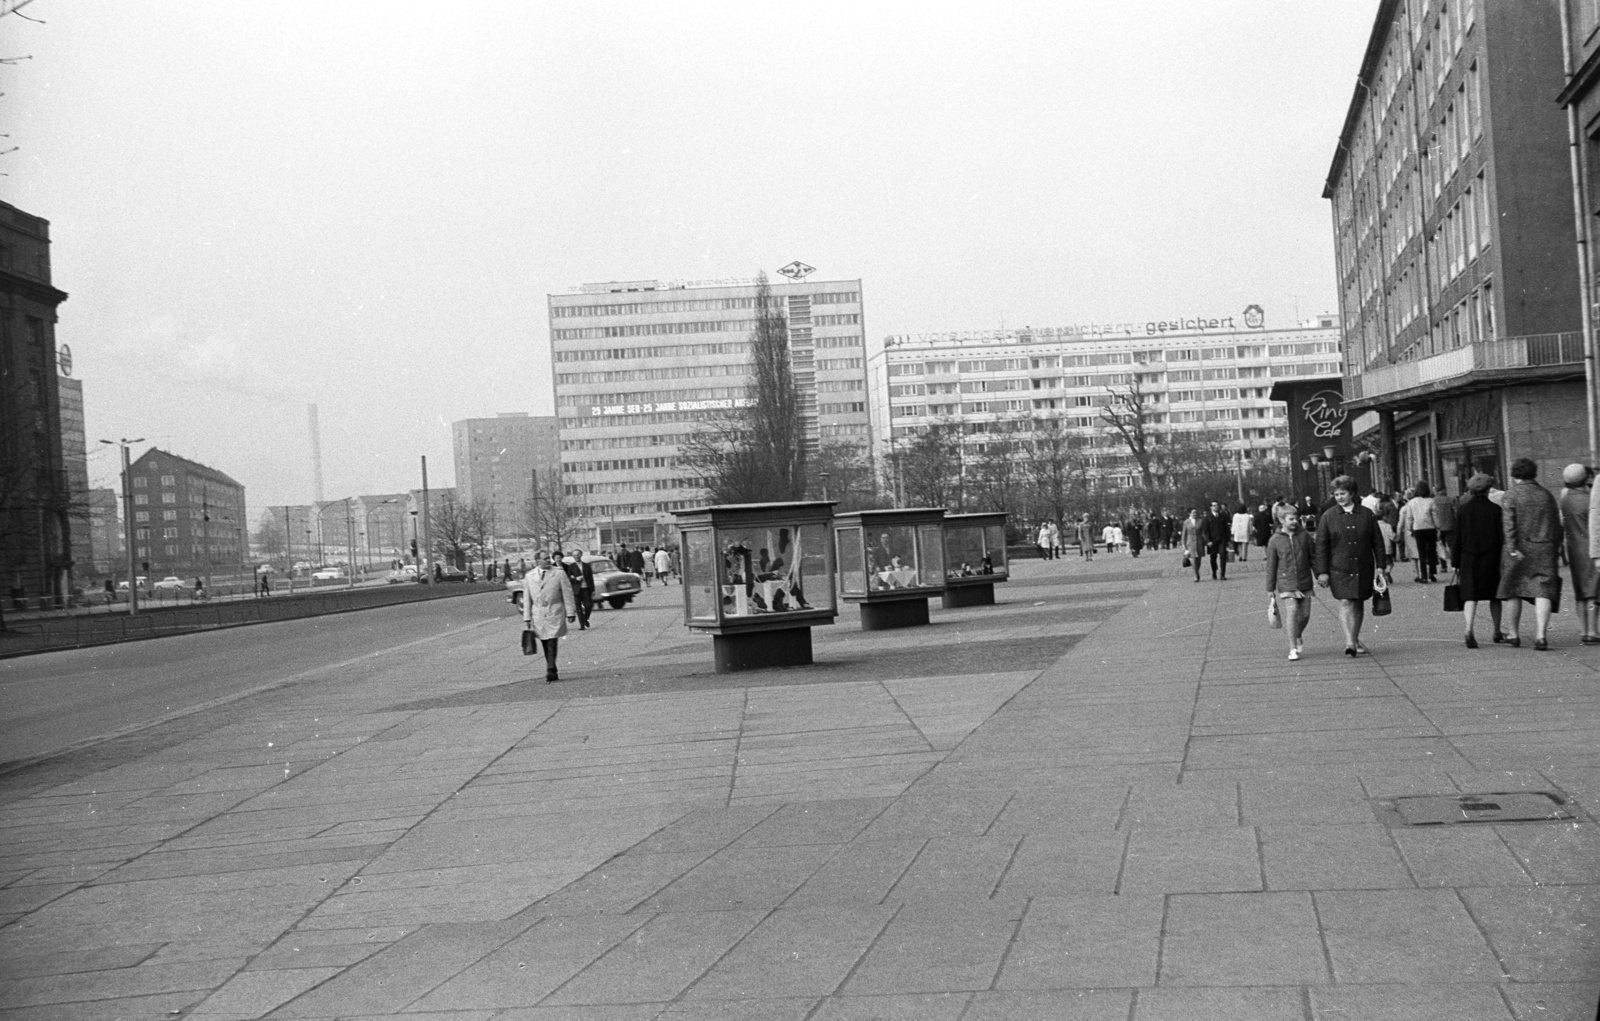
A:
(797, 270)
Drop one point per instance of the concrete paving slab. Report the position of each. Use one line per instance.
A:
(1552, 1000)
(1419, 1002)
(1556, 853)
(1261, 1004)
(948, 946)
(862, 872)
(1051, 1005)
(254, 993)
(1543, 934)
(1460, 856)
(900, 1007)
(1342, 857)
(118, 983)
(1371, 937)
(795, 953)
(1207, 860)
(1062, 863)
(741, 878)
(956, 868)
(621, 884)
(658, 961)
(1086, 941)
(1241, 939)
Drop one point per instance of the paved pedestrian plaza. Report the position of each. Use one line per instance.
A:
(1107, 798)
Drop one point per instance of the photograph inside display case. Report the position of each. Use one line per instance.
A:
(974, 550)
(773, 569)
(896, 557)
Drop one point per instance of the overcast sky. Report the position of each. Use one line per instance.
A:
(256, 206)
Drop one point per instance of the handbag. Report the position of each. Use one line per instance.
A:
(530, 642)
(1273, 616)
(1452, 594)
(1382, 606)
(1186, 560)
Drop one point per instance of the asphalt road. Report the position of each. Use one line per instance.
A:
(55, 701)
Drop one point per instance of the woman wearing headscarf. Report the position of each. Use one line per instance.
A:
(1345, 557)
(1475, 546)
(1531, 522)
(1575, 499)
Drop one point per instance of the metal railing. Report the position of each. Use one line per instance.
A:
(1533, 351)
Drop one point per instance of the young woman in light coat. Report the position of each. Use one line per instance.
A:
(548, 605)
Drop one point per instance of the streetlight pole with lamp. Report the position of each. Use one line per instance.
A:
(368, 525)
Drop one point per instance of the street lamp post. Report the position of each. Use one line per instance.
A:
(368, 532)
(127, 518)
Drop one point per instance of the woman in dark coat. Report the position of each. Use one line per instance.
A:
(1531, 523)
(1135, 536)
(1345, 557)
(1475, 545)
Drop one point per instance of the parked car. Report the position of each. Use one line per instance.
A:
(170, 583)
(612, 585)
(328, 574)
(445, 573)
(403, 574)
(144, 583)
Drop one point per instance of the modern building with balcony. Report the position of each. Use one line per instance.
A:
(1204, 378)
(1455, 244)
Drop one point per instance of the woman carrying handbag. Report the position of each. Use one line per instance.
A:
(1289, 581)
(548, 605)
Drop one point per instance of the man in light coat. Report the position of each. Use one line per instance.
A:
(548, 605)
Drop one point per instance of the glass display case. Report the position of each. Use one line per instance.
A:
(891, 561)
(974, 558)
(758, 569)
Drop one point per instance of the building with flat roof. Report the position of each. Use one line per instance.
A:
(75, 459)
(35, 499)
(188, 518)
(1196, 376)
(639, 365)
(1455, 244)
(507, 462)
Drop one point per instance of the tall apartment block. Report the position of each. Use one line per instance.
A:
(188, 518)
(1580, 100)
(1455, 243)
(639, 365)
(506, 461)
(1209, 375)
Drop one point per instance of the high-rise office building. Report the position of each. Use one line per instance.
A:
(1455, 243)
(507, 462)
(1209, 375)
(639, 365)
(75, 458)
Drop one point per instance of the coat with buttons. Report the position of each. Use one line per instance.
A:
(1346, 550)
(547, 602)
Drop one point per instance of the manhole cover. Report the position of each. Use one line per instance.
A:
(1495, 806)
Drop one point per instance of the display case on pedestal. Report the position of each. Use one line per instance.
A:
(974, 558)
(891, 561)
(757, 577)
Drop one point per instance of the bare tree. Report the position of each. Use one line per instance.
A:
(756, 452)
(1057, 469)
(930, 467)
(1129, 417)
(553, 514)
(849, 483)
(452, 529)
(997, 477)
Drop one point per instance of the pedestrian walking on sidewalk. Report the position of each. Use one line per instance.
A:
(664, 565)
(1425, 531)
(1046, 547)
(1241, 524)
(1475, 545)
(1085, 532)
(548, 605)
(1531, 522)
(1194, 540)
(1345, 558)
(1575, 499)
(1289, 580)
(1216, 529)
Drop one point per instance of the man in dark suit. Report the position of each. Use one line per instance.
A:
(1217, 530)
(582, 576)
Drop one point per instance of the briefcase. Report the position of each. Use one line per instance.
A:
(1452, 595)
(530, 642)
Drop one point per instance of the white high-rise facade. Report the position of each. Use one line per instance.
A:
(640, 364)
(1210, 375)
